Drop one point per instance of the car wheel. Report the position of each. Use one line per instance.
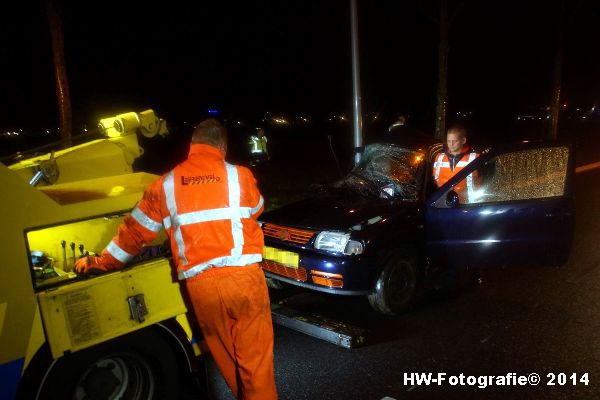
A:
(396, 287)
(141, 365)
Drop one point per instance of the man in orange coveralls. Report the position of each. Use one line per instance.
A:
(209, 209)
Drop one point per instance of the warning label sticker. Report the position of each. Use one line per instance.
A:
(81, 317)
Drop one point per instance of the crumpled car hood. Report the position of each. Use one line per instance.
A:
(335, 212)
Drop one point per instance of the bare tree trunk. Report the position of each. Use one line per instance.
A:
(442, 92)
(60, 71)
(558, 60)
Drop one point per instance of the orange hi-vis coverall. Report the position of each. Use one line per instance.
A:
(447, 165)
(209, 209)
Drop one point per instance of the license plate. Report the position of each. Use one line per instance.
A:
(287, 258)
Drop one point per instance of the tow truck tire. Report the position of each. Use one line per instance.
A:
(140, 365)
(396, 286)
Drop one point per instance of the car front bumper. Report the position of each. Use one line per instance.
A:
(342, 275)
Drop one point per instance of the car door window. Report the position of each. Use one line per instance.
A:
(520, 175)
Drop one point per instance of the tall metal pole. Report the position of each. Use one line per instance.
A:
(442, 92)
(558, 61)
(358, 138)
(60, 71)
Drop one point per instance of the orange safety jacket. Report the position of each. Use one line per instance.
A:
(208, 208)
(446, 166)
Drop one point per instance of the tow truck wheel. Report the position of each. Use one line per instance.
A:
(141, 365)
(396, 286)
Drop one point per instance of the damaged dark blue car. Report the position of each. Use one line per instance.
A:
(381, 231)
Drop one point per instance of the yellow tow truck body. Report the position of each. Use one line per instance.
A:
(56, 208)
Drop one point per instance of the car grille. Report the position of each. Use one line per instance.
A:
(298, 274)
(286, 234)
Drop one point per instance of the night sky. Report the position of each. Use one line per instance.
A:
(292, 57)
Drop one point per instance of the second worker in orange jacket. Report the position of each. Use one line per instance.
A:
(458, 154)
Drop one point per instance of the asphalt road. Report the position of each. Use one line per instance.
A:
(523, 321)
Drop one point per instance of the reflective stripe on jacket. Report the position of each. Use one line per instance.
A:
(443, 170)
(208, 208)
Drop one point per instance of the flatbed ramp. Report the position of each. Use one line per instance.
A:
(336, 332)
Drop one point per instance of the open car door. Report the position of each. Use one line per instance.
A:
(518, 209)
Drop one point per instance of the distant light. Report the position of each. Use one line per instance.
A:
(489, 241)
(593, 108)
(565, 105)
(280, 120)
(213, 111)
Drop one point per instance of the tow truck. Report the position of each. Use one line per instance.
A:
(120, 335)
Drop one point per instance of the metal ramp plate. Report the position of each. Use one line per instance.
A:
(317, 326)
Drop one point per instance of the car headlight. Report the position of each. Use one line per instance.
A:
(338, 242)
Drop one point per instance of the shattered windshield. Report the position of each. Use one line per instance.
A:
(387, 171)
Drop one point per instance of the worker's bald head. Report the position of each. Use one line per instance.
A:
(211, 132)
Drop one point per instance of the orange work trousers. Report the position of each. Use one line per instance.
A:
(232, 307)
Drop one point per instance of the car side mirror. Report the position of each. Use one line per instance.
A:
(452, 199)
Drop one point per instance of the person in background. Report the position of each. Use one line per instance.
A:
(259, 151)
(209, 208)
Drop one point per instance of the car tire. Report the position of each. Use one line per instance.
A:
(140, 365)
(396, 286)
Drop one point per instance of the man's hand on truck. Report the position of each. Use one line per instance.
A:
(91, 265)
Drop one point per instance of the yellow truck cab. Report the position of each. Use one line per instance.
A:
(120, 335)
